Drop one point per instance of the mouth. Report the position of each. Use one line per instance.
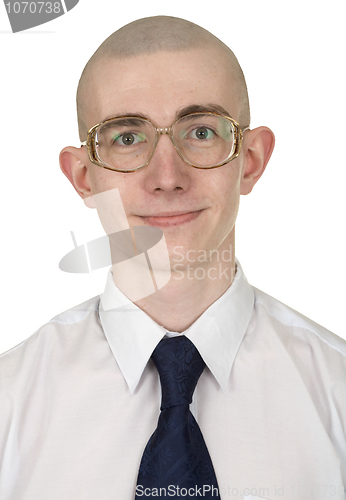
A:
(171, 219)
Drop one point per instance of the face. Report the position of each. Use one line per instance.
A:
(195, 208)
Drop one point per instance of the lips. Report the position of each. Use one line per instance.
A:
(166, 219)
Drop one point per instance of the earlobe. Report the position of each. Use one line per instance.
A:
(72, 164)
(258, 146)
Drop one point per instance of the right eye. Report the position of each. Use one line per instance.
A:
(128, 138)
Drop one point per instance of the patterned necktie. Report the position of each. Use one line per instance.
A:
(176, 459)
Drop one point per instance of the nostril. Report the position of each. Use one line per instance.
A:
(177, 188)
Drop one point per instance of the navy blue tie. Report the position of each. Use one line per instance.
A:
(176, 461)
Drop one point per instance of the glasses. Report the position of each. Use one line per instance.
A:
(127, 143)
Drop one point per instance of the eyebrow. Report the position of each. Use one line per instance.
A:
(129, 121)
(200, 108)
(192, 108)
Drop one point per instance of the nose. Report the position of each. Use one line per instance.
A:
(167, 171)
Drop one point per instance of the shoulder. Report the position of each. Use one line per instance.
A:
(294, 327)
(77, 313)
(307, 360)
(63, 328)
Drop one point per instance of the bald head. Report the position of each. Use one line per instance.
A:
(159, 34)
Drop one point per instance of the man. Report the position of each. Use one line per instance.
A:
(164, 124)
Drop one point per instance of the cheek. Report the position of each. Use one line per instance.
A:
(103, 180)
(111, 198)
(227, 203)
(228, 188)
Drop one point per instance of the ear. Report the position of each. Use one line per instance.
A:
(73, 163)
(258, 145)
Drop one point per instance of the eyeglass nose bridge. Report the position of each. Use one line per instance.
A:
(166, 131)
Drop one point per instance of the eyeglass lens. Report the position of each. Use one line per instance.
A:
(203, 140)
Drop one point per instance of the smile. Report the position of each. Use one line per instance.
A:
(171, 219)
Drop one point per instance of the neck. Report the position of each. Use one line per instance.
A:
(194, 285)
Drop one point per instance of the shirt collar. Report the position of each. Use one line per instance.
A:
(132, 335)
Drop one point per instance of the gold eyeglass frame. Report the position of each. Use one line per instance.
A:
(94, 157)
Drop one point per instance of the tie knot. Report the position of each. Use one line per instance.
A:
(179, 365)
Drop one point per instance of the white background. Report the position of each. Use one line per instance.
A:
(291, 228)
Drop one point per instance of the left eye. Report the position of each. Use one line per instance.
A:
(201, 133)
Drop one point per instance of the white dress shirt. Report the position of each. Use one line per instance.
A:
(80, 398)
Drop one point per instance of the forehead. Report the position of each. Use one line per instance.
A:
(160, 84)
